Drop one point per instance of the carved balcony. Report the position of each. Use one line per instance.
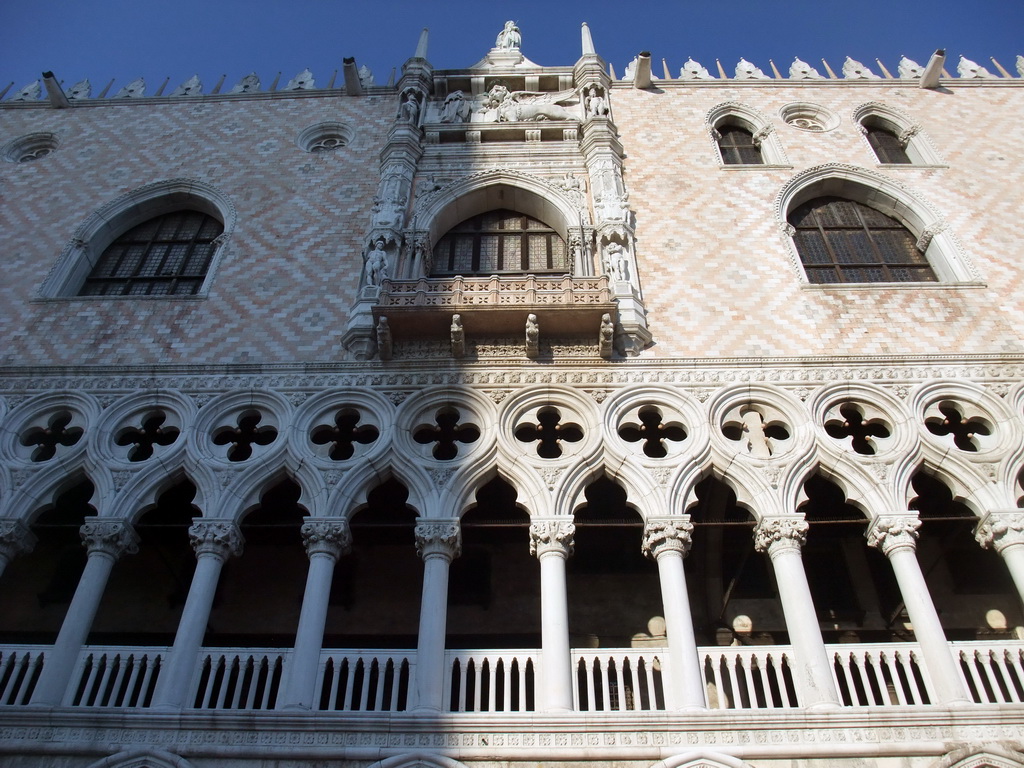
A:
(495, 306)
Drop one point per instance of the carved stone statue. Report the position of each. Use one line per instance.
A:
(909, 69)
(692, 70)
(615, 262)
(458, 334)
(854, 70)
(801, 70)
(747, 71)
(596, 104)
(248, 84)
(456, 108)
(384, 341)
(409, 112)
(509, 38)
(574, 188)
(532, 336)
(377, 264)
(606, 336)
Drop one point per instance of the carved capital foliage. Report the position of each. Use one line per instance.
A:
(216, 537)
(326, 536)
(890, 534)
(667, 536)
(110, 537)
(777, 534)
(552, 536)
(15, 537)
(443, 538)
(1000, 530)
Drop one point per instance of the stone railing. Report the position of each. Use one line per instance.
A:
(494, 291)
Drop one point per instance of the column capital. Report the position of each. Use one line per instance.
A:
(109, 537)
(667, 534)
(775, 535)
(552, 536)
(891, 533)
(221, 538)
(1001, 528)
(326, 535)
(15, 537)
(439, 537)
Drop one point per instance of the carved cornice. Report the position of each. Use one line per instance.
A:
(220, 538)
(893, 533)
(327, 536)
(775, 535)
(109, 537)
(439, 539)
(1001, 529)
(15, 537)
(667, 536)
(552, 536)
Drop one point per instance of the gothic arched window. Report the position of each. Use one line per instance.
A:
(499, 242)
(887, 146)
(167, 255)
(738, 146)
(843, 241)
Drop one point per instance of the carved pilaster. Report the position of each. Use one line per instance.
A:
(890, 534)
(15, 537)
(552, 536)
(1001, 529)
(675, 535)
(440, 537)
(328, 536)
(110, 537)
(776, 535)
(216, 537)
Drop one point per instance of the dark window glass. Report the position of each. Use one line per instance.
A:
(841, 241)
(165, 256)
(887, 146)
(501, 241)
(738, 147)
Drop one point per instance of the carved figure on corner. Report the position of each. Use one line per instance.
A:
(409, 112)
(458, 337)
(384, 343)
(532, 336)
(596, 104)
(615, 262)
(377, 264)
(509, 38)
(606, 336)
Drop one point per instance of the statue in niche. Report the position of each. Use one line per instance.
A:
(596, 104)
(747, 71)
(80, 90)
(248, 84)
(455, 109)
(694, 71)
(409, 112)
(854, 70)
(909, 69)
(377, 264)
(30, 92)
(509, 38)
(191, 87)
(968, 69)
(801, 70)
(615, 262)
(136, 89)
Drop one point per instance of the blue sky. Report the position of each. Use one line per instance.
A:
(125, 39)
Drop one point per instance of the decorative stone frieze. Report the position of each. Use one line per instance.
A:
(555, 536)
(895, 532)
(1001, 529)
(110, 537)
(221, 538)
(439, 539)
(778, 534)
(326, 536)
(672, 535)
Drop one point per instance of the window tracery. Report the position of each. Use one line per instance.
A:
(498, 242)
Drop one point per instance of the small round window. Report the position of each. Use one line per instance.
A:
(324, 137)
(27, 149)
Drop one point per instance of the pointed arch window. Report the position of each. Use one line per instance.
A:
(843, 241)
(738, 146)
(501, 241)
(887, 146)
(168, 255)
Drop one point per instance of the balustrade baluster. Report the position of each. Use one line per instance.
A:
(136, 665)
(492, 680)
(1008, 692)
(996, 697)
(588, 674)
(780, 671)
(113, 698)
(382, 678)
(1015, 657)
(748, 675)
(887, 661)
(227, 667)
(364, 688)
(92, 664)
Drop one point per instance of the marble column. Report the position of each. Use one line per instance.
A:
(667, 541)
(326, 540)
(551, 542)
(438, 542)
(105, 541)
(214, 541)
(896, 536)
(15, 537)
(782, 538)
(1003, 531)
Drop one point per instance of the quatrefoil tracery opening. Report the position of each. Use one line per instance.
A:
(860, 430)
(344, 434)
(653, 432)
(446, 434)
(152, 432)
(55, 433)
(956, 424)
(548, 432)
(243, 437)
(758, 432)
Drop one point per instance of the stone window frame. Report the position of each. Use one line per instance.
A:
(941, 247)
(910, 134)
(326, 137)
(31, 147)
(110, 221)
(761, 128)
